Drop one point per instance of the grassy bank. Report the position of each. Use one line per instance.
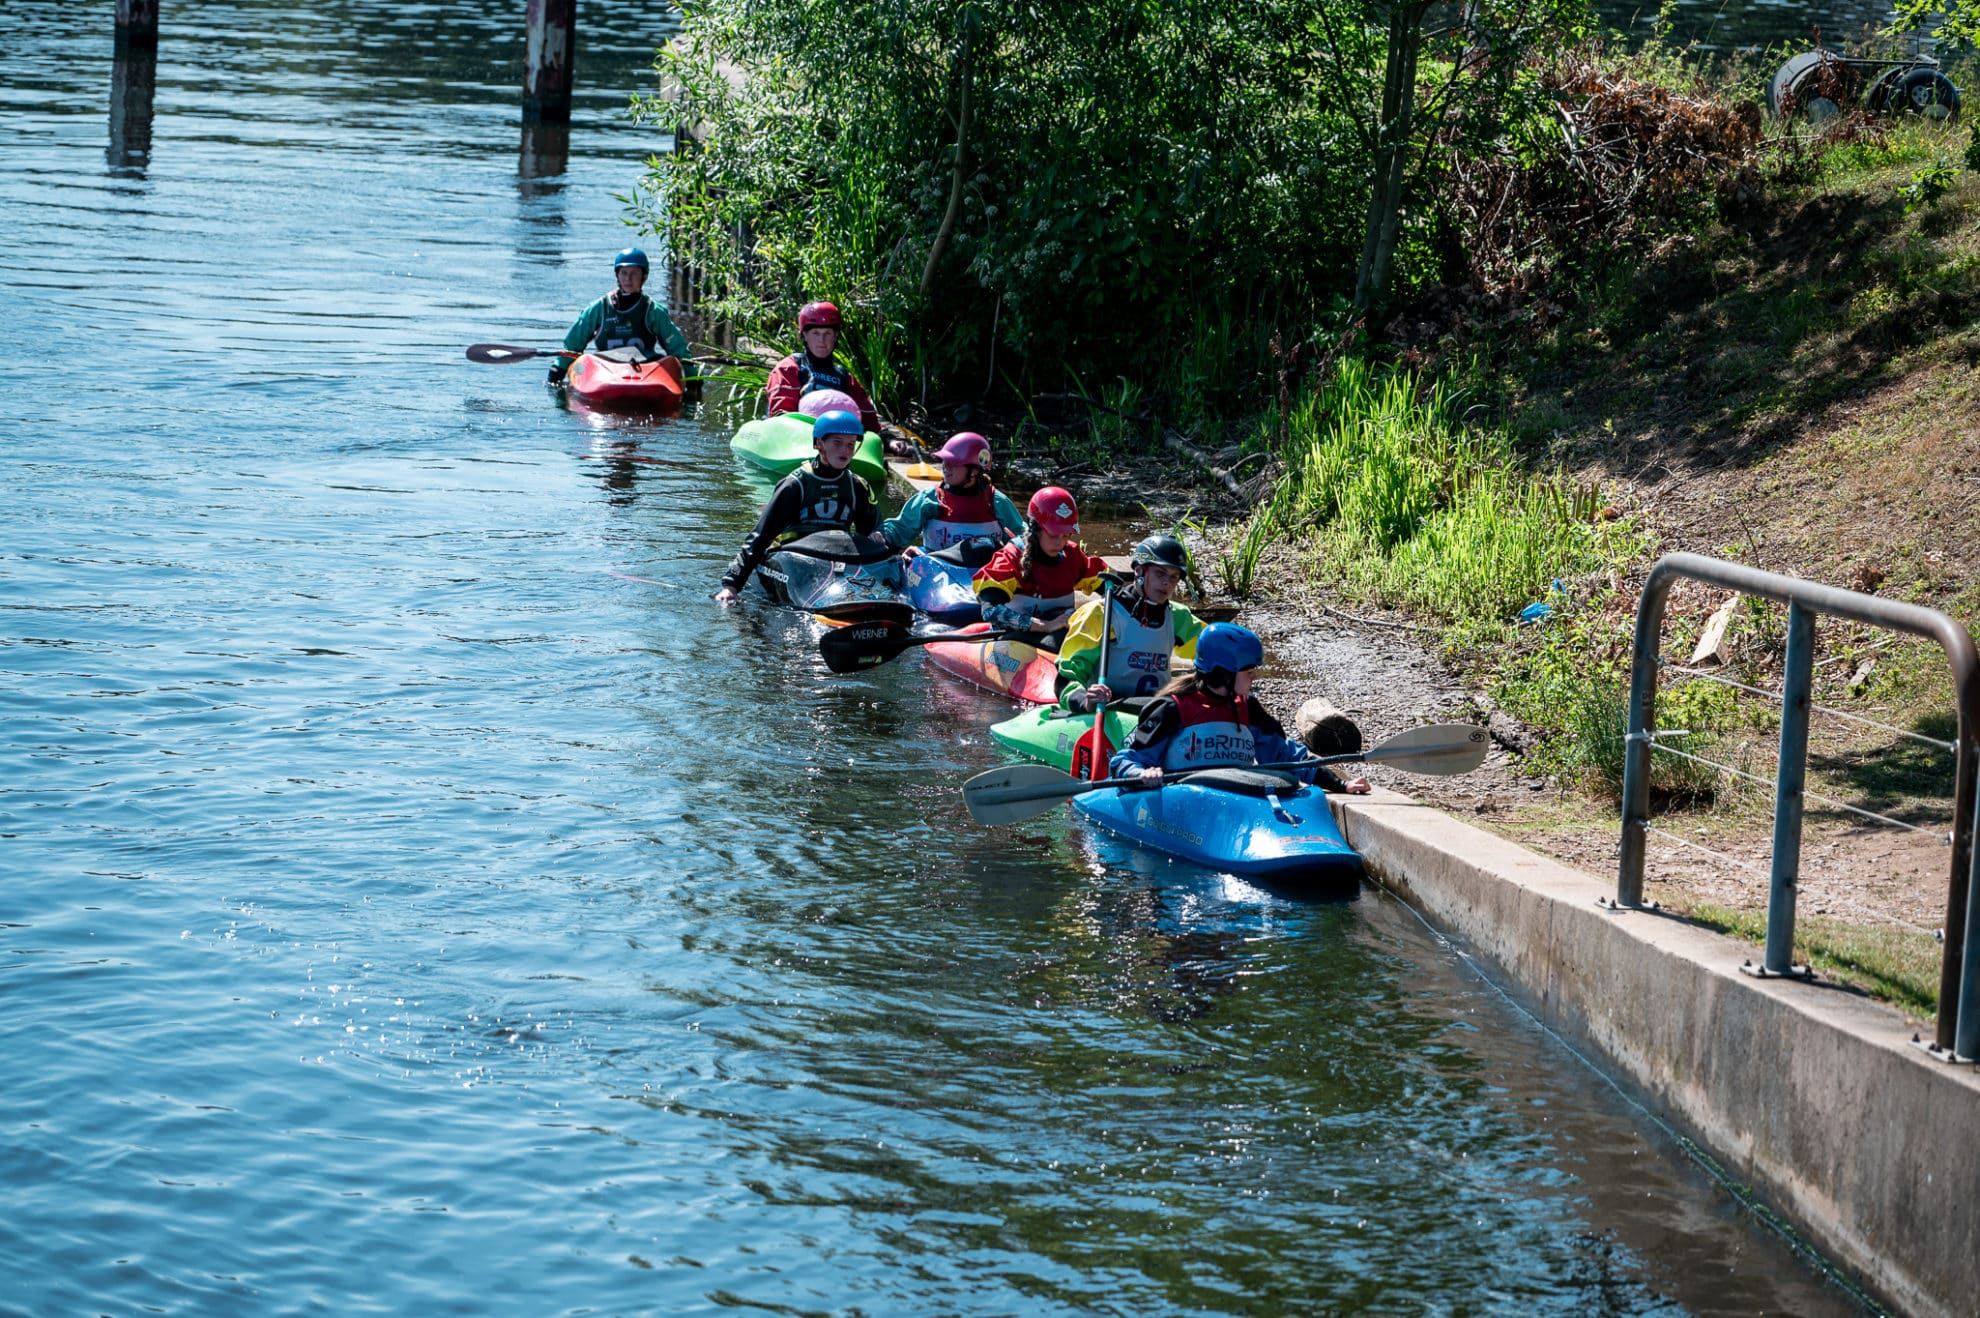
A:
(1791, 387)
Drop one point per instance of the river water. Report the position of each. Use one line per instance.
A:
(406, 911)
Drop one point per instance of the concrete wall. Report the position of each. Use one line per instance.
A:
(1810, 1093)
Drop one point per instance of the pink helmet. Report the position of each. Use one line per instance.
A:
(965, 448)
(820, 401)
(1054, 511)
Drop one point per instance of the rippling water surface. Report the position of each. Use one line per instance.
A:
(404, 913)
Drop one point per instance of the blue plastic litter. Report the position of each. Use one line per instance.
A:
(1541, 610)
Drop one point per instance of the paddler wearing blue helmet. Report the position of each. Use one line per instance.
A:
(624, 318)
(822, 495)
(1208, 717)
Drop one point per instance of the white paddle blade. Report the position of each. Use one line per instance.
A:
(1439, 749)
(1018, 791)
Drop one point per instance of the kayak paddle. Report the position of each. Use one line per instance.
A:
(1092, 751)
(509, 352)
(1022, 791)
(499, 353)
(869, 642)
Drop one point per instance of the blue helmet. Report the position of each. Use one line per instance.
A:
(631, 256)
(1227, 646)
(837, 423)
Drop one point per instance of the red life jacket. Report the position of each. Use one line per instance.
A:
(979, 505)
(961, 517)
(1214, 730)
(1052, 585)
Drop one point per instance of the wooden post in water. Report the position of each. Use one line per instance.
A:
(133, 87)
(548, 47)
(137, 24)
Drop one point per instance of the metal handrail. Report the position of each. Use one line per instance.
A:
(1958, 1029)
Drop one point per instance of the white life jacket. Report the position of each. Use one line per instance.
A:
(1137, 654)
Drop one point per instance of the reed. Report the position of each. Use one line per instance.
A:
(1415, 508)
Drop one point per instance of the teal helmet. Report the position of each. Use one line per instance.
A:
(631, 256)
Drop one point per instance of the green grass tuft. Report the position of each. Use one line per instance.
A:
(1898, 965)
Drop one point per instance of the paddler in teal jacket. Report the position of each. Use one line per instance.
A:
(1147, 628)
(965, 506)
(624, 318)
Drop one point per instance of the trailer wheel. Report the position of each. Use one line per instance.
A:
(1927, 93)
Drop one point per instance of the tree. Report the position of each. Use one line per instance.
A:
(1474, 80)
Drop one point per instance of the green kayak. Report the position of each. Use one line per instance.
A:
(1047, 733)
(780, 444)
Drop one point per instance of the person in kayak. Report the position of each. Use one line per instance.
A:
(624, 318)
(1029, 585)
(822, 495)
(815, 367)
(1148, 627)
(965, 506)
(1208, 717)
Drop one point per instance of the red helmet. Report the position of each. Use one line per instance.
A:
(1054, 510)
(819, 315)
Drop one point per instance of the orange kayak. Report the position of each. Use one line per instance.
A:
(1023, 672)
(648, 386)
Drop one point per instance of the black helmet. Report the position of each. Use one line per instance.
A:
(1165, 550)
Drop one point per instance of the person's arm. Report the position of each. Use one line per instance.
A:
(1148, 743)
(1008, 515)
(994, 603)
(1079, 659)
(662, 327)
(1273, 746)
(996, 586)
(868, 416)
(781, 389)
(905, 529)
(780, 512)
(580, 333)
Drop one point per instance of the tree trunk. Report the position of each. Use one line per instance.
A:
(959, 174)
(1392, 143)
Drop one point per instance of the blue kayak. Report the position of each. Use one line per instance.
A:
(941, 584)
(1224, 819)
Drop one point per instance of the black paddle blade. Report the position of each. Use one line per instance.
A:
(507, 352)
(862, 645)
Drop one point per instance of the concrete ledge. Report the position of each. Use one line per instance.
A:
(1811, 1093)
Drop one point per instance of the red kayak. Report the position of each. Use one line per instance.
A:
(645, 386)
(1010, 668)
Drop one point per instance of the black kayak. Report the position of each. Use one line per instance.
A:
(841, 576)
